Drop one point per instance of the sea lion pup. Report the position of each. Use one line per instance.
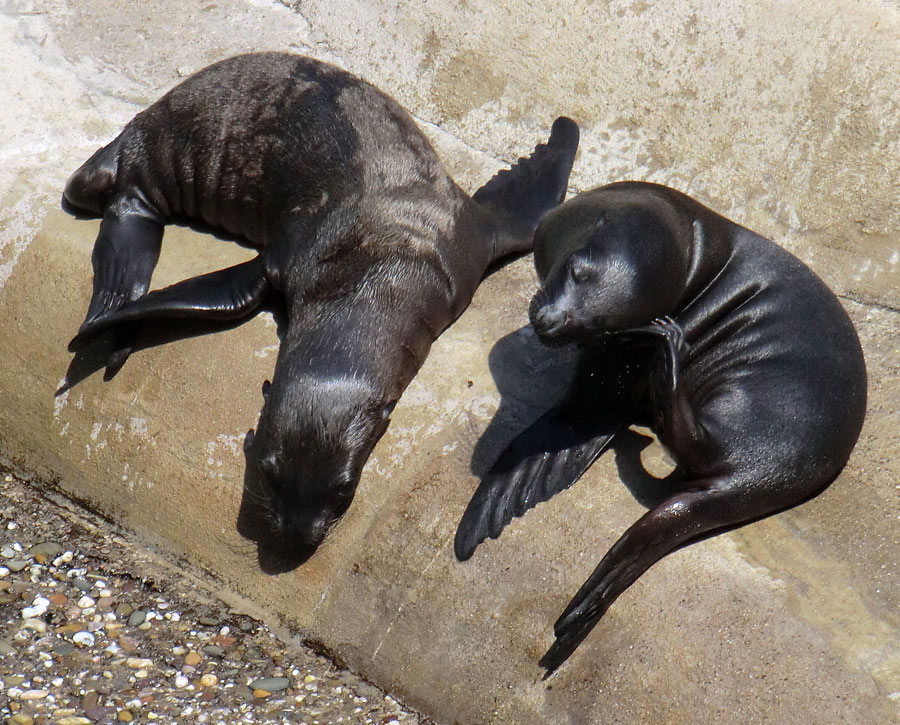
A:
(739, 358)
(372, 247)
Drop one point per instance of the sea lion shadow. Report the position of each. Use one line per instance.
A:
(254, 521)
(531, 379)
(92, 354)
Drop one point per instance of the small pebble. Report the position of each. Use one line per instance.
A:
(125, 716)
(74, 720)
(181, 681)
(38, 607)
(128, 644)
(136, 663)
(47, 550)
(209, 680)
(192, 658)
(123, 610)
(270, 684)
(38, 625)
(213, 651)
(82, 584)
(136, 618)
(64, 648)
(34, 694)
(85, 639)
(16, 565)
(20, 719)
(86, 602)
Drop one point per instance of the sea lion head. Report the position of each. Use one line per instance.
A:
(607, 262)
(314, 436)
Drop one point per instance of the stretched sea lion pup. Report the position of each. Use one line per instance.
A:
(371, 246)
(739, 358)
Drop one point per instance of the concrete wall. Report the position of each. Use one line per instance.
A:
(782, 117)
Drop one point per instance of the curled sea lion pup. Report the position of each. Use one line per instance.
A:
(371, 246)
(739, 358)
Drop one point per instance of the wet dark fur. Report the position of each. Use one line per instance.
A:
(370, 246)
(738, 357)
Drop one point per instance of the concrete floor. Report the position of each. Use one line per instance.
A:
(786, 121)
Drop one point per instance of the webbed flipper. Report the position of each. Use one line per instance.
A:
(124, 257)
(228, 294)
(545, 459)
(707, 505)
(522, 194)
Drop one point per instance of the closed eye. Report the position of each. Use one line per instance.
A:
(579, 272)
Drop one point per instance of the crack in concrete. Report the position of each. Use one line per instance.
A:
(868, 302)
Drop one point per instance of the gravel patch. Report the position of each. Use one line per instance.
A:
(95, 629)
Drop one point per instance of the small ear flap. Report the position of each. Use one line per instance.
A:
(268, 465)
(248, 441)
(267, 384)
(388, 409)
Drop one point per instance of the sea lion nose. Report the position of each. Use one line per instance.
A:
(548, 320)
(302, 529)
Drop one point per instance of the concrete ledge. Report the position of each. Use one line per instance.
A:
(787, 122)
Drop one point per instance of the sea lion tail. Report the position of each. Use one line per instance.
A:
(521, 195)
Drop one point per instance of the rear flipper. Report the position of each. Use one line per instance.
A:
(521, 195)
(709, 506)
(545, 459)
(225, 295)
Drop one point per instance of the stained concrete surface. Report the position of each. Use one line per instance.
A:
(786, 121)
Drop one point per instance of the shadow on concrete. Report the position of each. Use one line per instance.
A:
(94, 353)
(531, 379)
(254, 516)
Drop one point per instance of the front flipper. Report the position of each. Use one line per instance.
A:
(545, 459)
(228, 294)
(124, 257)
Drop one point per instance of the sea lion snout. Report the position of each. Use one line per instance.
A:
(561, 313)
(552, 322)
(303, 529)
(301, 505)
(306, 457)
